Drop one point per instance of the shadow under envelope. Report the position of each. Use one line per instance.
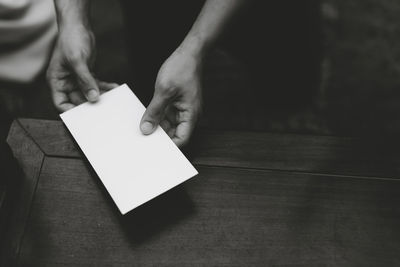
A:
(152, 218)
(149, 220)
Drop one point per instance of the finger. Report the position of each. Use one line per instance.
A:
(185, 127)
(76, 97)
(58, 94)
(61, 101)
(153, 114)
(171, 119)
(86, 82)
(182, 133)
(171, 114)
(105, 86)
(171, 132)
(166, 125)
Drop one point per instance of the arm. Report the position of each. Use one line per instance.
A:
(69, 75)
(176, 103)
(72, 13)
(210, 24)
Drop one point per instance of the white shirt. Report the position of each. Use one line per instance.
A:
(27, 31)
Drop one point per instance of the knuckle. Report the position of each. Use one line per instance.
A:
(167, 91)
(75, 58)
(74, 61)
(162, 84)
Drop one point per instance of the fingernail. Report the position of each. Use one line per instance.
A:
(92, 95)
(146, 127)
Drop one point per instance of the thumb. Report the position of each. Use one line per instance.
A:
(86, 82)
(153, 114)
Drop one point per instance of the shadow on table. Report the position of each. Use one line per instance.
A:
(162, 213)
(149, 220)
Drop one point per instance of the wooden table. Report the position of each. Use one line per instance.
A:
(260, 200)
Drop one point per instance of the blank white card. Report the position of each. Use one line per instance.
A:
(133, 167)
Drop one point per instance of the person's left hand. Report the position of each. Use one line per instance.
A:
(176, 104)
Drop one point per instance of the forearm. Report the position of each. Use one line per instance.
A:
(211, 22)
(71, 13)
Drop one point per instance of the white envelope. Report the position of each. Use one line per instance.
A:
(133, 167)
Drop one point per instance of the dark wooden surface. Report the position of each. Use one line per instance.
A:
(30, 159)
(288, 152)
(259, 200)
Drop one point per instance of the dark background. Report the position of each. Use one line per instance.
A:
(335, 64)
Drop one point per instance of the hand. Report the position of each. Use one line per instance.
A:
(69, 75)
(176, 104)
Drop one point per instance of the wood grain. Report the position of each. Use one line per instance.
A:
(30, 159)
(260, 200)
(288, 152)
(223, 217)
(52, 137)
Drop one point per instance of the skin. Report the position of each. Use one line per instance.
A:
(176, 104)
(68, 74)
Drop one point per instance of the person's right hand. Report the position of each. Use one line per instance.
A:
(69, 75)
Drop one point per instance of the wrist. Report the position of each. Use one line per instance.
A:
(194, 46)
(72, 14)
(70, 24)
